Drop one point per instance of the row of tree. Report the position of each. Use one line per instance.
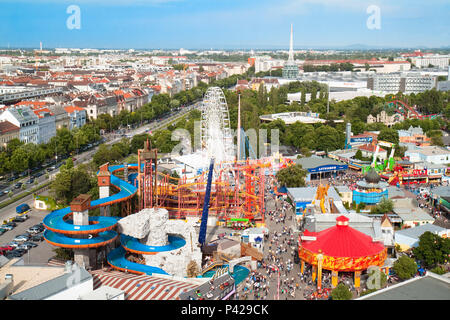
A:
(18, 156)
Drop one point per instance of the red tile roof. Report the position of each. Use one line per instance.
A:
(70, 109)
(6, 126)
(370, 148)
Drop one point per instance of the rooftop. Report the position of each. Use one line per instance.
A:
(429, 287)
(416, 232)
(315, 161)
(26, 277)
(103, 293)
(6, 126)
(415, 214)
(432, 150)
(51, 287)
(322, 221)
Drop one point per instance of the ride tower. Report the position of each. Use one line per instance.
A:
(80, 208)
(147, 176)
(104, 182)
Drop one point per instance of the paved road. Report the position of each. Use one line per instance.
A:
(285, 258)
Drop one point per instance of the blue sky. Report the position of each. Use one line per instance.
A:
(224, 24)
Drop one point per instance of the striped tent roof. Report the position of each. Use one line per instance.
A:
(141, 287)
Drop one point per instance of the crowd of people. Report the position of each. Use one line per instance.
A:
(277, 275)
(348, 179)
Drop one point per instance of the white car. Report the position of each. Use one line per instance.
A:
(34, 230)
(21, 238)
(24, 247)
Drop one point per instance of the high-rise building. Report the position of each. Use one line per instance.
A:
(290, 69)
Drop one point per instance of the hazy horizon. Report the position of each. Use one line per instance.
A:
(225, 25)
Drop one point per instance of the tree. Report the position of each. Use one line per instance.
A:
(341, 292)
(303, 97)
(62, 186)
(63, 254)
(405, 267)
(175, 103)
(389, 135)
(384, 206)
(313, 94)
(432, 249)
(359, 155)
(305, 152)
(292, 176)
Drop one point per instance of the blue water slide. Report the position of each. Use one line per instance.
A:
(133, 244)
(116, 258)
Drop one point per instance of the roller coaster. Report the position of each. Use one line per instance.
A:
(407, 111)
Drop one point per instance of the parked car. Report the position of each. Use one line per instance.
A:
(14, 254)
(13, 244)
(21, 238)
(22, 218)
(24, 207)
(37, 238)
(24, 246)
(18, 252)
(3, 230)
(31, 244)
(34, 229)
(18, 185)
(30, 181)
(5, 249)
(7, 226)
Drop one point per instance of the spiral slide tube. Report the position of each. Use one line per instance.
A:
(60, 230)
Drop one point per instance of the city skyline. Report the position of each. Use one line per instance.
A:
(228, 25)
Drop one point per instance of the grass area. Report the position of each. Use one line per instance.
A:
(49, 201)
(23, 195)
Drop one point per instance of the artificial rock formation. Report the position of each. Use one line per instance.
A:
(152, 227)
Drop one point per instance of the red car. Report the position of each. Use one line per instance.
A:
(5, 249)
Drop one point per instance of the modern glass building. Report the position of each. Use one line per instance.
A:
(290, 71)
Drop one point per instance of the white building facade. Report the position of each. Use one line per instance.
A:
(26, 120)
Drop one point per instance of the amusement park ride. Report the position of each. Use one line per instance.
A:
(230, 192)
(407, 111)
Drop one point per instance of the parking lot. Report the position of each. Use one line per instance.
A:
(36, 255)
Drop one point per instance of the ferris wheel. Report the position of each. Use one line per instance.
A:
(216, 135)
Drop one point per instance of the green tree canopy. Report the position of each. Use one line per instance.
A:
(405, 267)
(432, 249)
(384, 206)
(292, 176)
(341, 292)
(389, 135)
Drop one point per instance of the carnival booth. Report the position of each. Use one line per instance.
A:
(339, 249)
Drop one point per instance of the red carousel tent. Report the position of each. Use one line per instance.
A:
(342, 247)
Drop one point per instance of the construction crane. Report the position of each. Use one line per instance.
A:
(203, 224)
